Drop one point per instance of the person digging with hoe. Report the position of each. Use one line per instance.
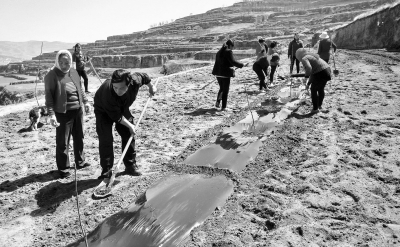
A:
(325, 46)
(318, 72)
(111, 105)
(261, 64)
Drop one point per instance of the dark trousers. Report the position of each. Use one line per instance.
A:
(318, 82)
(104, 126)
(223, 92)
(326, 59)
(71, 123)
(82, 73)
(260, 71)
(297, 64)
(271, 75)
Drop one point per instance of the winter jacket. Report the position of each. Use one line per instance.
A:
(294, 45)
(324, 48)
(106, 101)
(80, 60)
(313, 64)
(224, 60)
(55, 90)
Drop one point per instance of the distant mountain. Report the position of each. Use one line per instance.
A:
(28, 49)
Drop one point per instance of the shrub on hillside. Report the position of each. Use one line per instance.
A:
(7, 97)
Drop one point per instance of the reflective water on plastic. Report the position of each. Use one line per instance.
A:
(164, 215)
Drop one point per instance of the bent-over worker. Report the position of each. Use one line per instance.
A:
(111, 105)
(319, 73)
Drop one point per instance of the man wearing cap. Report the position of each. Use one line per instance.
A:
(111, 105)
(325, 46)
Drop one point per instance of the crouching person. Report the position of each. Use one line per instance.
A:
(111, 105)
(318, 72)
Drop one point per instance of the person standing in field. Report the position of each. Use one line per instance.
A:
(64, 101)
(318, 74)
(224, 71)
(294, 45)
(324, 47)
(80, 60)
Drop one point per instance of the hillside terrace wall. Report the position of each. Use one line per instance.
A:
(130, 61)
(210, 55)
(376, 31)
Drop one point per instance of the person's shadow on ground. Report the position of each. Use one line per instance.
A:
(301, 116)
(203, 111)
(52, 195)
(9, 186)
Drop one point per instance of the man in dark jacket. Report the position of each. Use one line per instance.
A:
(223, 70)
(261, 65)
(294, 45)
(111, 105)
(325, 46)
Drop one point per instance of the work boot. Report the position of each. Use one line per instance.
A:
(217, 104)
(313, 111)
(105, 174)
(132, 170)
(85, 164)
(64, 174)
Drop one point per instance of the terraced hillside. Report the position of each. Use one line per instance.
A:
(243, 21)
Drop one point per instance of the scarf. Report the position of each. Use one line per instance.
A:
(57, 65)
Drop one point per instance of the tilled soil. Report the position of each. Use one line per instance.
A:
(329, 179)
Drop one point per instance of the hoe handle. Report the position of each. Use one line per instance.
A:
(137, 125)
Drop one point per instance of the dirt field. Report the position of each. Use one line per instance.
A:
(329, 179)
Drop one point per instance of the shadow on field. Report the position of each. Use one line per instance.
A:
(52, 195)
(203, 111)
(251, 93)
(301, 116)
(9, 186)
(29, 128)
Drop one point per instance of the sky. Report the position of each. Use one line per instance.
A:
(90, 20)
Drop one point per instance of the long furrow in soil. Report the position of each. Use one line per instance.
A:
(330, 179)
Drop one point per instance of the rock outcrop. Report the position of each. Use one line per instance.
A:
(380, 29)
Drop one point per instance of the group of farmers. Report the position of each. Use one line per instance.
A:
(66, 99)
(317, 69)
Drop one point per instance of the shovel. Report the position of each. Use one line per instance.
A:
(335, 71)
(104, 188)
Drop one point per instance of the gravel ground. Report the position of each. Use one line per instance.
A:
(329, 179)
